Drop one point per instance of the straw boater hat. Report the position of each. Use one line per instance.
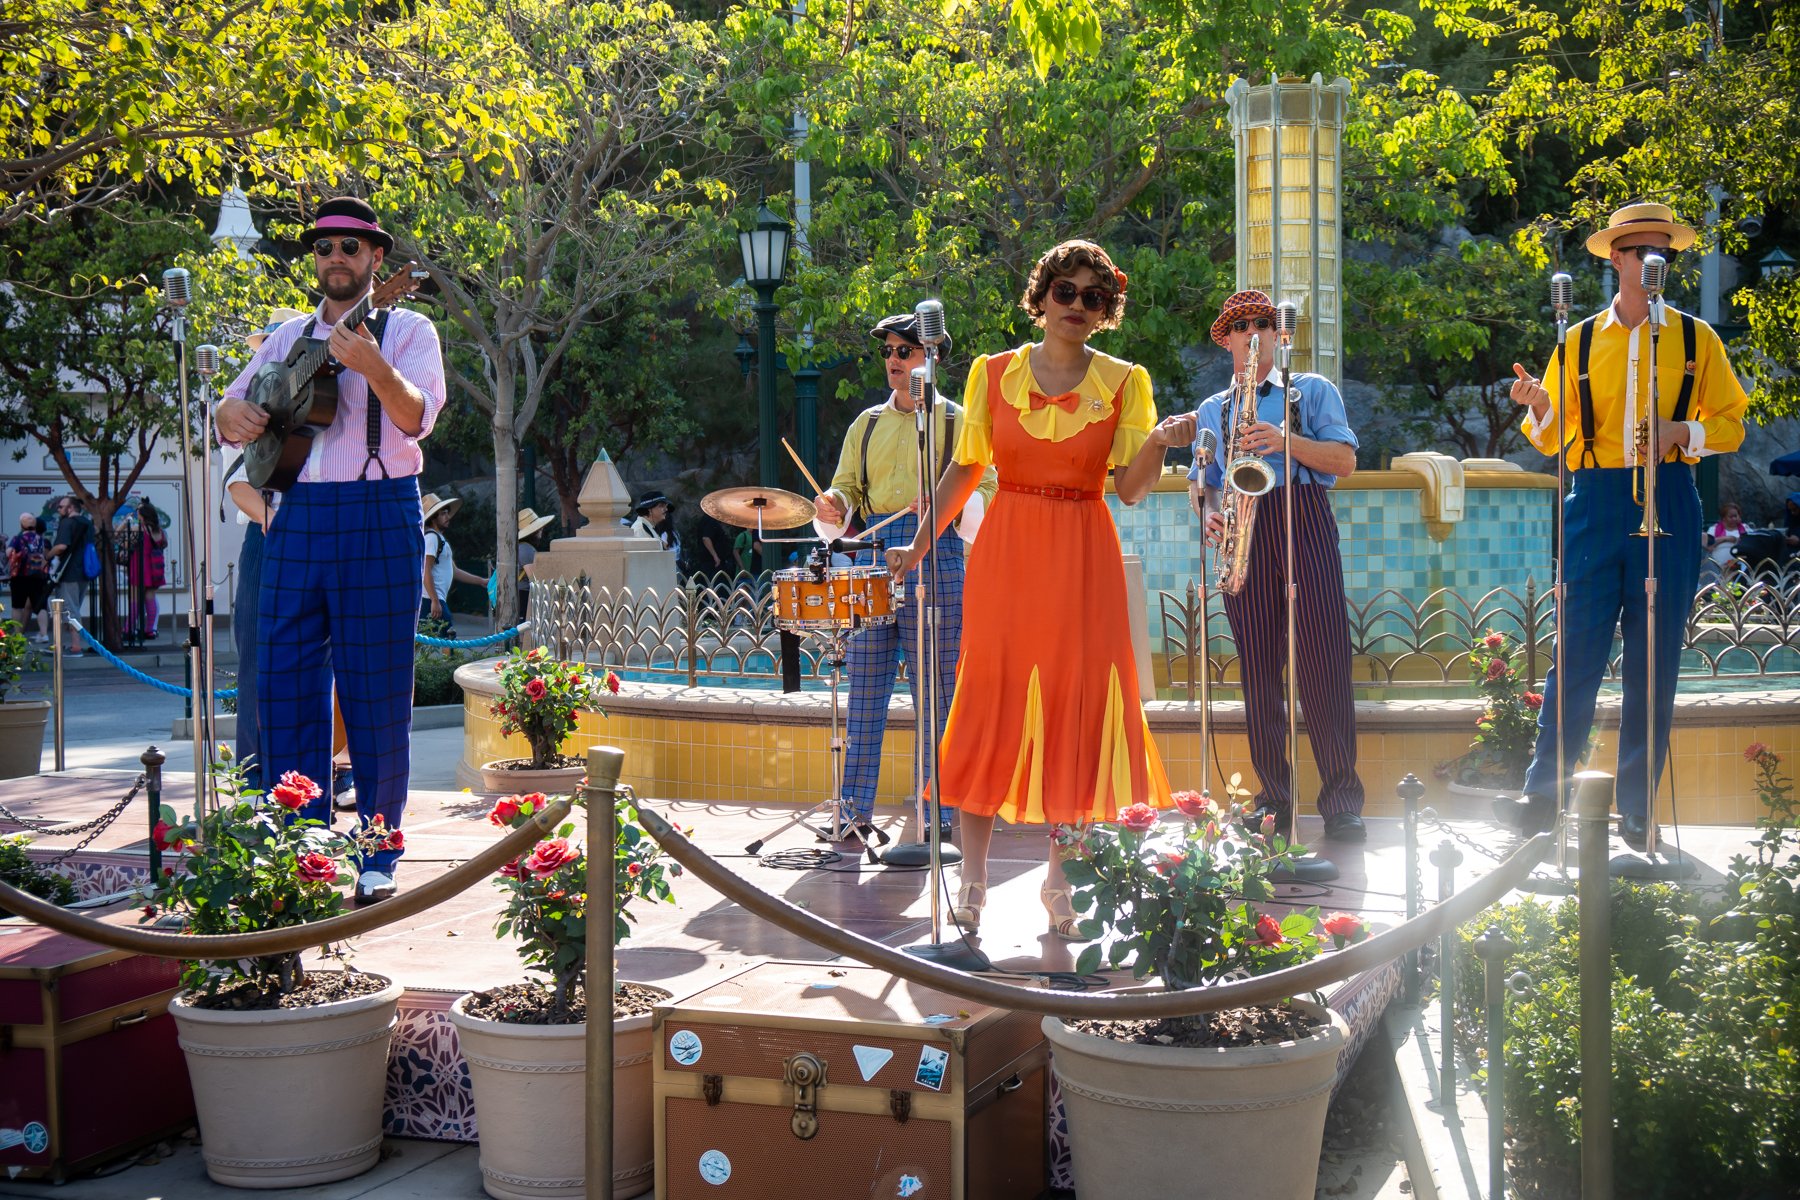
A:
(530, 522)
(1640, 218)
(433, 505)
(349, 217)
(1241, 306)
(277, 318)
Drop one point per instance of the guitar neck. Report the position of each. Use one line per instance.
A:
(319, 351)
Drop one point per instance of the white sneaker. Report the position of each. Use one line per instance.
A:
(373, 886)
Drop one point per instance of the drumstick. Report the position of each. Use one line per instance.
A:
(884, 522)
(817, 490)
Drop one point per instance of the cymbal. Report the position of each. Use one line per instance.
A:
(747, 507)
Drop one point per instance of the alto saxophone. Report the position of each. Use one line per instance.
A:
(1248, 478)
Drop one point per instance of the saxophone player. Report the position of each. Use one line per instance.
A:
(1324, 448)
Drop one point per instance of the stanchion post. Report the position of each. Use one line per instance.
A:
(604, 766)
(56, 678)
(1494, 948)
(153, 760)
(1411, 790)
(1445, 858)
(1593, 799)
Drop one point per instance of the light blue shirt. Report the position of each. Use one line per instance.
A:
(1321, 418)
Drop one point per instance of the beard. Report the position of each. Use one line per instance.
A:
(345, 283)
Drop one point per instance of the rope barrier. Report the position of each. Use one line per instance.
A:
(490, 640)
(1262, 989)
(173, 689)
(292, 937)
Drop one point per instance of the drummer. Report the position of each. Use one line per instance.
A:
(877, 476)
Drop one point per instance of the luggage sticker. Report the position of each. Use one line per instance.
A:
(685, 1047)
(933, 1062)
(715, 1168)
(910, 1185)
(870, 1060)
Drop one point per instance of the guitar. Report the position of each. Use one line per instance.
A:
(300, 394)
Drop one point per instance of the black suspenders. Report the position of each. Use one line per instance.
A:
(944, 450)
(1690, 341)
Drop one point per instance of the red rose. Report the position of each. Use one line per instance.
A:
(160, 836)
(1533, 700)
(1343, 925)
(1754, 751)
(149, 910)
(168, 872)
(295, 791)
(634, 870)
(549, 857)
(532, 803)
(505, 809)
(511, 870)
(1268, 931)
(1139, 818)
(395, 841)
(1493, 640)
(535, 689)
(316, 868)
(612, 682)
(1192, 804)
(1167, 864)
(1496, 669)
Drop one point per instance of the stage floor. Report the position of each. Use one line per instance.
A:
(684, 945)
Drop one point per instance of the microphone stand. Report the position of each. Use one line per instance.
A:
(200, 703)
(1207, 455)
(1306, 868)
(1560, 582)
(206, 360)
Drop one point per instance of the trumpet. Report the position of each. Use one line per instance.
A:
(1644, 439)
(1247, 479)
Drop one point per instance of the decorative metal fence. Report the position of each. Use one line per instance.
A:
(723, 630)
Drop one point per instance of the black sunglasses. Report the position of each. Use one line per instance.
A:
(1258, 323)
(350, 246)
(1644, 251)
(902, 353)
(1093, 299)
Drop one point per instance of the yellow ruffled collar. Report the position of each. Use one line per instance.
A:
(1097, 390)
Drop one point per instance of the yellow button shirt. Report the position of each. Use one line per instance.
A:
(1619, 381)
(893, 472)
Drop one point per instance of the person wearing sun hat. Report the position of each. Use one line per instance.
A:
(277, 318)
(1700, 411)
(344, 551)
(1324, 452)
(440, 569)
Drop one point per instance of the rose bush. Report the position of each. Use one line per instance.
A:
(1186, 900)
(546, 891)
(1506, 730)
(540, 695)
(253, 865)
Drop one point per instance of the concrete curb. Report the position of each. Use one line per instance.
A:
(1446, 1147)
(435, 716)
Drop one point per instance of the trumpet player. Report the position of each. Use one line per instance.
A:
(1605, 437)
(1324, 448)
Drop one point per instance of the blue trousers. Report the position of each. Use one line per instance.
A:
(1604, 570)
(875, 654)
(340, 599)
(245, 609)
(1258, 616)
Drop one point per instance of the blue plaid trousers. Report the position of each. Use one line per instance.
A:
(340, 598)
(876, 653)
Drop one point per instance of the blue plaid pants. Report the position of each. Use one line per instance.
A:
(875, 654)
(340, 598)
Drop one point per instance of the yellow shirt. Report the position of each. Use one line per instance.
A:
(1053, 423)
(893, 459)
(1619, 379)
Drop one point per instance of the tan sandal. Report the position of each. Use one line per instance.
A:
(1063, 921)
(967, 911)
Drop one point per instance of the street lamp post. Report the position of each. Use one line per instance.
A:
(765, 253)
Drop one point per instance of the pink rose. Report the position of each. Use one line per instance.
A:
(549, 857)
(316, 868)
(1754, 751)
(1139, 818)
(1268, 931)
(1192, 804)
(1493, 640)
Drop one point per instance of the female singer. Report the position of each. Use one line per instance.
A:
(1046, 727)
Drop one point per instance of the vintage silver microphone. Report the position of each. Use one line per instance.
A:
(1287, 322)
(1562, 295)
(931, 323)
(176, 287)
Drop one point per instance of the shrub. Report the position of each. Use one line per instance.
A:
(18, 870)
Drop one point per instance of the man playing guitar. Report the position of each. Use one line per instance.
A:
(345, 549)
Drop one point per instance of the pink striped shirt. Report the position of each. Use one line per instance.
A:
(410, 344)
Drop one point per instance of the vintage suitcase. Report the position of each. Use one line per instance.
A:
(90, 1068)
(816, 1081)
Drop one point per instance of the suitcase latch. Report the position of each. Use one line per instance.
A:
(806, 1073)
(712, 1087)
(900, 1104)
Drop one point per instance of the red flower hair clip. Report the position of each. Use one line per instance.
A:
(1124, 280)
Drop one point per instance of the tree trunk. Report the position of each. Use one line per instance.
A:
(506, 495)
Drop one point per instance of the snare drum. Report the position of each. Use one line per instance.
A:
(803, 602)
(870, 595)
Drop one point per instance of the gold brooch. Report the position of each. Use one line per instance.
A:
(1094, 404)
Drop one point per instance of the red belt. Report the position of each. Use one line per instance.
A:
(1050, 493)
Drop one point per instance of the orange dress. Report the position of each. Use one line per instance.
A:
(1046, 726)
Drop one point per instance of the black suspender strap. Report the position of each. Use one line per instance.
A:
(377, 327)
(1690, 342)
(873, 415)
(949, 444)
(1584, 345)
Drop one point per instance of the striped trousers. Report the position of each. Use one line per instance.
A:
(340, 599)
(876, 653)
(1603, 572)
(1258, 616)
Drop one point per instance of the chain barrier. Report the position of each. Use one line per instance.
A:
(93, 828)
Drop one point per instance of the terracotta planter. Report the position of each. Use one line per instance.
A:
(289, 1097)
(552, 781)
(22, 736)
(529, 1083)
(1170, 1121)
